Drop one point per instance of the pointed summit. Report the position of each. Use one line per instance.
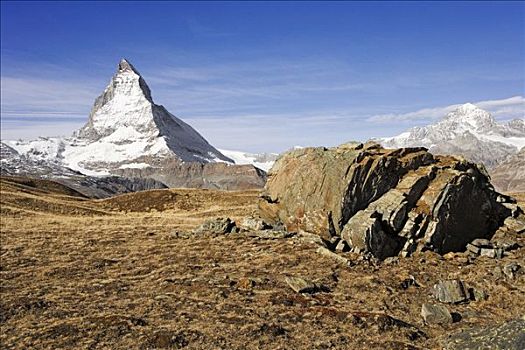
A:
(468, 131)
(469, 117)
(125, 117)
(124, 65)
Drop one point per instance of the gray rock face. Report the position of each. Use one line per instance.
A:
(452, 292)
(108, 186)
(14, 164)
(202, 175)
(506, 336)
(384, 202)
(435, 314)
(509, 175)
(216, 226)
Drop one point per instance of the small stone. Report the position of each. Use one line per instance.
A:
(216, 226)
(308, 237)
(391, 260)
(300, 285)
(410, 281)
(508, 245)
(498, 272)
(473, 249)
(342, 247)
(481, 243)
(270, 234)
(328, 253)
(452, 291)
(436, 314)
(511, 270)
(246, 283)
(489, 252)
(477, 294)
(256, 224)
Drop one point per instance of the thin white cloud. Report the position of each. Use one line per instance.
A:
(33, 130)
(503, 109)
(37, 95)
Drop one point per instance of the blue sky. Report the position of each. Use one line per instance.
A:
(265, 76)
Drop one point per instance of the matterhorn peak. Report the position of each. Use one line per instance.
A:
(125, 66)
(125, 115)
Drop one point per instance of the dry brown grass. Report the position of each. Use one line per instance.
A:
(86, 274)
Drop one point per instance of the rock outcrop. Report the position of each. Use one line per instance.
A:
(509, 335)
(509, 176)
(384, 201)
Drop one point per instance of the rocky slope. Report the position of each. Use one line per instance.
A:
(126, 131)
(509, 175)
(386, 202)
(15, 165)
(468, 131)
(202, 175)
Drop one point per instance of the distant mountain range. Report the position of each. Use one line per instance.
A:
(468, 131)
(473, 133)
(129, 136)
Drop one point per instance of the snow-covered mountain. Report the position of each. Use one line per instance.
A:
(125, 129)
(262, 161)
(468, 131)
(140, 142)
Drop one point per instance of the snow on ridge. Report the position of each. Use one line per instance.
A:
(262, 161)
(124, 127)
(469, 131)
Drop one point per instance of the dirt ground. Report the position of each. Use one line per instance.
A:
(126, 273)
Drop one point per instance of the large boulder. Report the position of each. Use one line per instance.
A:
(384, 201)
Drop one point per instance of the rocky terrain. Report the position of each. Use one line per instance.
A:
(126, 131)
(386, 202)
(359, 247)
(352, 247)
(509, 175)
(14, 164)
(202, 175)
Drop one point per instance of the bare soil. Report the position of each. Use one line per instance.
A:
(127, 273)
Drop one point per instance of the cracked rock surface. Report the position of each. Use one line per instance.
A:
(386, 202)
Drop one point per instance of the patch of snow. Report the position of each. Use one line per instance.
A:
(135, 166)
(262, 161)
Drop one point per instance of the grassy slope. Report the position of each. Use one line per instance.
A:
(112, 273)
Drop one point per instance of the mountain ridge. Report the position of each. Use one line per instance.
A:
(468, 131)
(125, 128)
